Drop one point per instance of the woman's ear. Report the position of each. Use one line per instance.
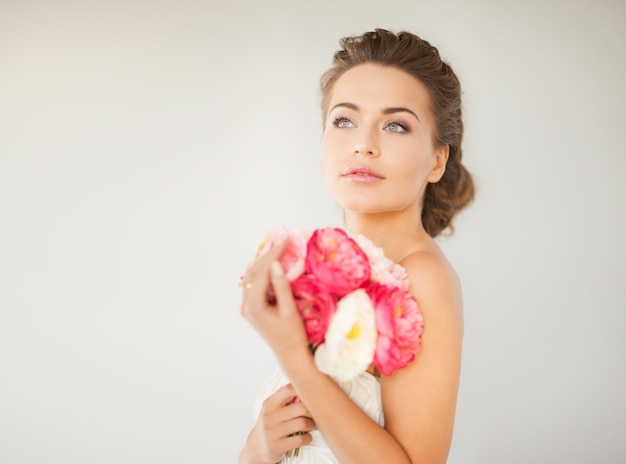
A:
(441, 158)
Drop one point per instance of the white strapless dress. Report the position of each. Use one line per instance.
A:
(364, 390)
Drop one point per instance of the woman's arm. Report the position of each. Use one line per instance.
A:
(419, 401)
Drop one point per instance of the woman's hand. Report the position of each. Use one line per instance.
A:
(282, 426)
(269, 306)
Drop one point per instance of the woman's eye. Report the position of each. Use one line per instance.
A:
(342, 123)
(396, 127)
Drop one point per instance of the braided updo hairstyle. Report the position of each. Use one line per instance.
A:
(415, 56)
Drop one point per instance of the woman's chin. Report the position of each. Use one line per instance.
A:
(366, 208)
(372, 206)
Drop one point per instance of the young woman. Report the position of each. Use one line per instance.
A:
(392, 160)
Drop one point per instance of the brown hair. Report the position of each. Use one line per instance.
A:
(415, 56)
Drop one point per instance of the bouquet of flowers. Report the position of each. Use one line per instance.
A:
(353, 300)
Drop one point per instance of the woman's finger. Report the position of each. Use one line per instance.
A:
(286, 396)
(293, 425)
(299, 410)
(297, 440)
(264, 261)
(282, 288)
(282, 397)
(257, 279)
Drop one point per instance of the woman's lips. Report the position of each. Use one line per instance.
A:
(361, 174)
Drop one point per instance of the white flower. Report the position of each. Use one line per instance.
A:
(384, 270)
(350, 339)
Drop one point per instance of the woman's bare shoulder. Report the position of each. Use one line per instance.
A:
(430, 272)
(436, 286)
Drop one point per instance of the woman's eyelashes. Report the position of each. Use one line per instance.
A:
(396, 126)
(343, 122)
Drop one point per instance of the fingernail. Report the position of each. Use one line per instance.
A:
(277, 269)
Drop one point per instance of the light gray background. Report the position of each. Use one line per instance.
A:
(146, 147)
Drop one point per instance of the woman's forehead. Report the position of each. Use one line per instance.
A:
(371, 86)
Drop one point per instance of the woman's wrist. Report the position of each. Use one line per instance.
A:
(245, 458)
(298, 364)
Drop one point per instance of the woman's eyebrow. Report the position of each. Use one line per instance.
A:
(390, 110)
(348, 105)
(400, 109)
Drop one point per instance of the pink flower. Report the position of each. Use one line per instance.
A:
(337, 261)
(316, 306)
(384, 270)
(292, 259)
(399, 322)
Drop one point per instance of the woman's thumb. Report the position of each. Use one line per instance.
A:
(282, 289)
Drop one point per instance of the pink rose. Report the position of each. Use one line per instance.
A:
(292, 259)
(337, 261)
(315, 305)
(399, 322)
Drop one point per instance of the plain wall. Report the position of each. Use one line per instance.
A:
(147, 147)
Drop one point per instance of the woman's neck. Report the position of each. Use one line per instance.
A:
(397, 233)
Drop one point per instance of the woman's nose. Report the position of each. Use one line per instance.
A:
(366, 144)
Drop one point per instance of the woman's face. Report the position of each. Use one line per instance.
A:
(378, 151)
